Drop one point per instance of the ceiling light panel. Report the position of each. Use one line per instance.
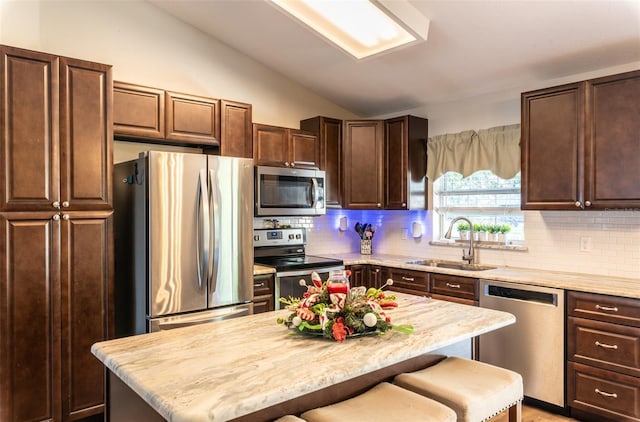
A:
(357, 26)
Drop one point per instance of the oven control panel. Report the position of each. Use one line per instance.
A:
(277, 237)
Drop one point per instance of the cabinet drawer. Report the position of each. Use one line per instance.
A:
(263, 285)
(450, 285)
(413, 282)
(605, 393)
(605, 345)
(604, 308)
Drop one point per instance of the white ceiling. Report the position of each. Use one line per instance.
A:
(474, 48)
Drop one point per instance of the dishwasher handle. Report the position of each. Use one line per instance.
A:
(522, 294)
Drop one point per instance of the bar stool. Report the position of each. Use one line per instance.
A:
(476, 391)
(383, 403)
(289, 418)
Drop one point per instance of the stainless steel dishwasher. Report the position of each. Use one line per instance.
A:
(534, 345)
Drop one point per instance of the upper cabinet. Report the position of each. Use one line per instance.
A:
(363, 164)
(580, 145)
(330, 139)
(169, 117)
(405, 158)
(385, 163)
(56, 142)
(285, 147)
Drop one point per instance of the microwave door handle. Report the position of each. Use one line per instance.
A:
(203, 230)
(314, 192)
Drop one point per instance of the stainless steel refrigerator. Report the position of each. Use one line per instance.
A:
(183, 240)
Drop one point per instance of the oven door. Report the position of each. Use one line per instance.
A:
(288, 282)
(286, 191)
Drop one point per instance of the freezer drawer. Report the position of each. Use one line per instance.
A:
(185, 320)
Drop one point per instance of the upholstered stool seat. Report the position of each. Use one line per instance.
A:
(289, 418)
(384, 403)
(476, 391)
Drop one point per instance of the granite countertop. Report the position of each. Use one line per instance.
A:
(227, 369)
(261, 269)
(617, 286)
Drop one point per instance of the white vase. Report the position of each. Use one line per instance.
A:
(464, 235)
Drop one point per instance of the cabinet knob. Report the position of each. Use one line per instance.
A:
(286, 163)
(578, 204)
(379, 205)
(56, 205)
(404, 204)
(65, 216)
(65, 204)
(56, 217)
(293, 164)
(587, 203)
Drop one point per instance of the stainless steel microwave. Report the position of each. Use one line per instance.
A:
(283, 191)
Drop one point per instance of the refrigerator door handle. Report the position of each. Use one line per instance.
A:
(314, 192)
(214, 259)
(203, 231)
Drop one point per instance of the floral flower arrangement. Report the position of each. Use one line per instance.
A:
(334, 311)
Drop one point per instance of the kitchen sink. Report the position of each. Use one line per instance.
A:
(454, 265)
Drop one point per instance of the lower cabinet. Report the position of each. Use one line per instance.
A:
(56, 283)
(365, 275)
(263, 293)
(408, 281)
(454, 288)
(603, 352)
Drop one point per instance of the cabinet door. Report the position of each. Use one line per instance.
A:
(29, 318)
(375, 276)
(29, 155)
(263, 293)
(192, 119)
(138, 111)
(359, 275)
(396, 167)
(235, 129)
(270, 145)
(363, 164)
(86, 285)
(552, 148)
(86, 158)
(304, 150)
(330, 141)
(613, 142)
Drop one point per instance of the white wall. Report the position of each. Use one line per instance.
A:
(147, 46)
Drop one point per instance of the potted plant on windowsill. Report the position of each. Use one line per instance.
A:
(494, 231)
(481, 232)
(463, 229)
(502, 236)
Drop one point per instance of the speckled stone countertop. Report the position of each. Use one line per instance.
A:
(617, 286)
(261, 269)
(227, 369)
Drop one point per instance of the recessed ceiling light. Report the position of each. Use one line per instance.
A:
(361, 27)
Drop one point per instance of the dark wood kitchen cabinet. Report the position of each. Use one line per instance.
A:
(365, 275)
(330, 140)
(138, 111)
(603, 352)
(405, 156)
(363, 164)
(285, 147)
(55, 218)
(454, 288)
(236, 132)
(192, 119)
(408, 281)
(385, 163)
(580, 145)
(263, 293)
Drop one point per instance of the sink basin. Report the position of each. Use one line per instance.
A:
(454, 265)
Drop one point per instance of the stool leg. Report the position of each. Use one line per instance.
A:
(515, 412)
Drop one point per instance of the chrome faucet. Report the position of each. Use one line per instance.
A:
(471, 256)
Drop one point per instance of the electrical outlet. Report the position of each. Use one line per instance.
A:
(585, 244)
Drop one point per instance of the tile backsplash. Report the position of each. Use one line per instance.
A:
(590, 242)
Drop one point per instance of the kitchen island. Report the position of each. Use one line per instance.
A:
(251, 368)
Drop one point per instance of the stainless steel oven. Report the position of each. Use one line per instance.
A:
(284, 250)
(289, 191)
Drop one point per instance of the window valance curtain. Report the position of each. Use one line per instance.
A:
(496, 149)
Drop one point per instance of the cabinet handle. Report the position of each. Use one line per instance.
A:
(408, 279)
(377, 270)
(286, 163)
(587, 203)
(258, 284)
(604, 393)
(65, 204)
(378, 204)
(578, 204)
(404, 204)
(293, 164)
(56, 217)
(453, 286)
(56, 205)
(606, 346)
(607, 308)
(65, 217)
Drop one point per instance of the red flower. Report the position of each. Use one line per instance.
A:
(339, 330)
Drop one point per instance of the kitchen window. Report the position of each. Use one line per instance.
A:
(482, 197)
